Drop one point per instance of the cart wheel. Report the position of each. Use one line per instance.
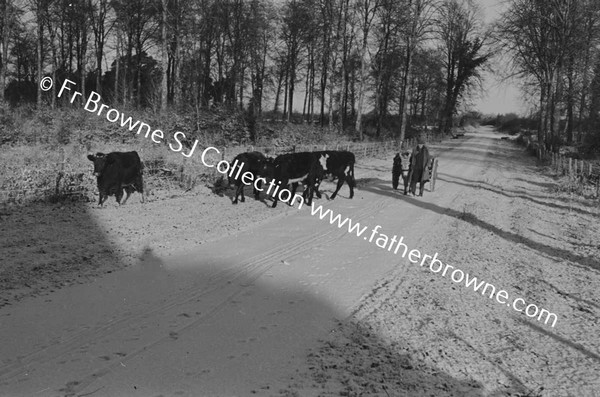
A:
(434, 174)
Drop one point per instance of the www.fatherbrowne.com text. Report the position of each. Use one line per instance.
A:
(396, 245)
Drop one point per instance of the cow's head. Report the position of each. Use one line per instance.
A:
(267, 167)
(323, 161)
(99, 160)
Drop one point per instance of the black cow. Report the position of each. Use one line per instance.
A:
(117, 171)
(252, 162)
(340, 164)
(292, 168)
(401, 168)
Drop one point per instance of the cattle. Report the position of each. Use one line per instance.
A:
(401, 167)
(292, 168)
(340, 164)
(252, 162)
(118, 171)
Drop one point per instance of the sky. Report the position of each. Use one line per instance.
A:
(498, 96)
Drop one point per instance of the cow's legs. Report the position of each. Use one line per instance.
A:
(338, 187)
(307, 194)
(128, 190)
(293, 192)
(294, 188)
(255, 186)
(139, 186)
(350, 182)
(275, 195)
(119, 194)
(316, 187)
(239, 191)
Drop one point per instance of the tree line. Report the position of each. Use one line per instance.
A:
(554, 47)
(340, 61)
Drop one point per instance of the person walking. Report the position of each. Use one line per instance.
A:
(419, 159)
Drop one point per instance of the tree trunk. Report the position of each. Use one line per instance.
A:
(570, 104)
(330, 107)
(177, 84)
(4, 33)
(285, 93)
(164, 59)
(116, 94)
(278, 91)
(405, 92)
(361, 86)
(292, 78)
(40, 40)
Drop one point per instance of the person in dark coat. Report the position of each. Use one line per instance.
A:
(419, 159)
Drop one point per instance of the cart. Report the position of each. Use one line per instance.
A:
(432, 168)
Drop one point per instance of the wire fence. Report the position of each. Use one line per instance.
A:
(66, 180)
(583, 175)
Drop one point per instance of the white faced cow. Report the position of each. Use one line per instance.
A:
(307, 168)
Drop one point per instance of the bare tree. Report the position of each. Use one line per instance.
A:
(367, 12)
(40, 7)
(5, 32)
(420, 17)
(164, 58)
(137, 21)
(464, 53)
(541, 37)
(296, 20)
(101, 27)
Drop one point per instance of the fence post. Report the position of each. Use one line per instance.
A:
(570, 166)
(559, 169)
(59, 177)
